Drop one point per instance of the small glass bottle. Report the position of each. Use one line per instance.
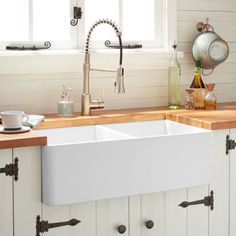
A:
(174, 96)
(65, 107)
(210, 98)
(189, 99)
(198, 86)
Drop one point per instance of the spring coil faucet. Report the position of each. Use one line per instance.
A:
(87, 103)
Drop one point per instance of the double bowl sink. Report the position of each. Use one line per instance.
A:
(95, 162)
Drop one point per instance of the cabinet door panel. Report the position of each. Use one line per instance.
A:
(176, 217)
(27, 190)
(56, 214)
(233, 186)
(86, 213)
(6, 209)
(153, 208)
(219, 218)
(198, 215)
(110, 214)
(135, 215)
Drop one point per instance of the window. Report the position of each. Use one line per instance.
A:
(28, 21)
(143, 22)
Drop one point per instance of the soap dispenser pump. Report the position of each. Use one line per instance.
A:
(65, 107)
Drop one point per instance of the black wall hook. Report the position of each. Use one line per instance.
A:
(77, 16)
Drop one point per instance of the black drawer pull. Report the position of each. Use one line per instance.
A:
(11, 169)
(44, 226)
(121, 229)
(149, 224)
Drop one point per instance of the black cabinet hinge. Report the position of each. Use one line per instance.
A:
(230, 144)
(206, 201)
(44, 226)
(77, 16)
(11, 169)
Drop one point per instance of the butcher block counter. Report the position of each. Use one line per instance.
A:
(222, 118)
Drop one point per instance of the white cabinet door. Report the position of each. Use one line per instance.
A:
(153, 209)
(175, 217)
(110, 215)
(147, 207)
(233, 186)
(6, 209)
(56, 214)
(135, 215)
(86, 213)
(198, 220)
(27, 190)
(219, 218)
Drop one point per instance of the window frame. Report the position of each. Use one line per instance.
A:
(56, 45)
(78, 34)
(165, 15)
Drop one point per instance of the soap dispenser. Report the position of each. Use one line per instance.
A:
(65, 107)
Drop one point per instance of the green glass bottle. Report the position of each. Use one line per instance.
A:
(174, 96)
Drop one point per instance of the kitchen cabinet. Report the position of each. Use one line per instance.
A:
(20, 202)
(232, 197)
(6, 206)
(27, 190)
(86, 212)
(198, 216)
(219, 218)
(110, 215)
(175, 216)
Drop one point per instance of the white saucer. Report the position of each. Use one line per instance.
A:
(15, 131)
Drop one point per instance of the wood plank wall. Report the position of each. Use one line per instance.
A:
(39, 92)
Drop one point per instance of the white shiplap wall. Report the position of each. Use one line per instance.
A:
(37, 92)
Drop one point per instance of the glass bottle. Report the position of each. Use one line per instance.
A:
(210, 98)
(174, 81)
(189, 99)
(198, 86)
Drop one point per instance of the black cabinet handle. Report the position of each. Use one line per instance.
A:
(149, 224)
(11, 169)
(44, 226)
(206, 201)
(121, 229)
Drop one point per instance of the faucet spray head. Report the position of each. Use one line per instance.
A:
(119, 84)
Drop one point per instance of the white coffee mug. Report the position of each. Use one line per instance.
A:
(13, 119)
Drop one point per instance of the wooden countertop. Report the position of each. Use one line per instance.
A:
(222, 118)
(31, 138)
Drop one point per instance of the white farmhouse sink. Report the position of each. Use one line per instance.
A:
(104, 161)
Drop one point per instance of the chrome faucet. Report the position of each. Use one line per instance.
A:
(87, 103)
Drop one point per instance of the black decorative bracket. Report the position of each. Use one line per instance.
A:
(230, 144)
(44, 226)
(207, 201)
(77, 16)
(47, 45)
(11, 169)
(129, 46)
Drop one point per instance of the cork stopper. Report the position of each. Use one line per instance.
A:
(210, 87)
